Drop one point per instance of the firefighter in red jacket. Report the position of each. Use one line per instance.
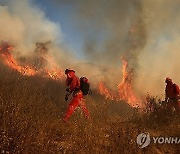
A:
(73, 83)
(172, 93)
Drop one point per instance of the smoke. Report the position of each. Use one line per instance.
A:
(111, 29)
(120, 24)
(145, 32)
(160, 56)
(27, 28)
(23, 25)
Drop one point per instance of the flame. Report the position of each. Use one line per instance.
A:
(52, 72)
(55, 74)
(8, 59)
(104, 91)
(125, 88)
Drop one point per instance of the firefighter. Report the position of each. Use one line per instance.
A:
(172, 94)
(73, 84)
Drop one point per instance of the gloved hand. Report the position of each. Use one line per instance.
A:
(67, 90)
(166, 99)
(66, 98)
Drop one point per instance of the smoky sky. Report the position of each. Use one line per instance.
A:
(146, 32)
(111, 29)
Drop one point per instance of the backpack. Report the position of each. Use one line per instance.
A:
(176, 89)
(84, 85)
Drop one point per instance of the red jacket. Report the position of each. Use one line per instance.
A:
(73, 82)
(172, 91)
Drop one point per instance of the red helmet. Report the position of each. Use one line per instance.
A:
(168, 80)
(69, 70)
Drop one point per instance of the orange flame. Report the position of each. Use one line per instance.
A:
(125, 89)
(104, 91)
(8, 59)
(53, 72)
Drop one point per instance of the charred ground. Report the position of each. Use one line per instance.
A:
(31, 111)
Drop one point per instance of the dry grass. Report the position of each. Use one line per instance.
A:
(31, 111)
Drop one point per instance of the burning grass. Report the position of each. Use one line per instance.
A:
(125, 91)
(41, 63)
(31, 110)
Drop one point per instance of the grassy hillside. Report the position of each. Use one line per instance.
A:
(31, 111)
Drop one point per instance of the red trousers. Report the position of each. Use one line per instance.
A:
(77, 101)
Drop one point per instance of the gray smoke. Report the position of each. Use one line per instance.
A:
(160, 56)
(23, 25)
(145, 32)
(112, 29)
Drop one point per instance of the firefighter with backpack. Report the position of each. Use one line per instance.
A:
(78, 88)
(172, 95)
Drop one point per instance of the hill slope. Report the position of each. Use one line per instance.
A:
(31, 111)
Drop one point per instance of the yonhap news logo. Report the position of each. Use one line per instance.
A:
(144, 139)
